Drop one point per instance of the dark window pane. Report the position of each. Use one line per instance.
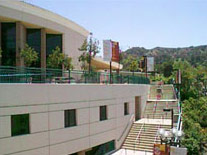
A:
(103, 113)
(8, 36)
(20, 124)
(126, 108)
(52, 41)
(70, 118)
(102, 149)
(34, 41)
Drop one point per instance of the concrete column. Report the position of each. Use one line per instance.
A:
(43, 48)
(20, 42)
(0, 44)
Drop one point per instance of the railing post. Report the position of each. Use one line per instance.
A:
(128, 79)
(69, 76)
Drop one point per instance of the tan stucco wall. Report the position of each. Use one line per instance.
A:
(46, 104)
(35, 17)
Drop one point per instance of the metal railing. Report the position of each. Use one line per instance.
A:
(138, 136)
(159, 126)
(131, 120)
(179, 122)
(10, 74)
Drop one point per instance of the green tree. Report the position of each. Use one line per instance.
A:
(133, 66)
(67, 63)
(58, 58)
(29, 55)
(195, 125)
(188, 74)
(90, 49)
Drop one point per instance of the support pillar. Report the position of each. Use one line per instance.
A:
(0, 44)
(43, 48)
(20, 42)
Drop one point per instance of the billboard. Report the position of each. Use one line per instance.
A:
(115, 51)
(161, 149)
(150, 64)
(178, 77)
(111, 50)
(107, 50)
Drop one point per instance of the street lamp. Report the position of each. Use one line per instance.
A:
(170, 136)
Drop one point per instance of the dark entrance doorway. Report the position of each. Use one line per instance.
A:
(137, 108)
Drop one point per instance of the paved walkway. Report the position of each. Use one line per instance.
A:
(154, 121)
(130, 152)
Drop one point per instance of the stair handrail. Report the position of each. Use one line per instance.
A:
(154, 109)
(138, 136)
(159, 126)
(131, 119)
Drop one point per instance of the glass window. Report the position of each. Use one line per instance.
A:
(20, 124)
(52, 41)
(70, 118)
(126, 108)
(34, 41)
(8, 40)
(102, 149)
(103, 113)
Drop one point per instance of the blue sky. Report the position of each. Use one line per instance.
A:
(144, 23)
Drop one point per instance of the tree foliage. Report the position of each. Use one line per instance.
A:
(29, 55)
(87, 48)
(195, 125)
(58, 58)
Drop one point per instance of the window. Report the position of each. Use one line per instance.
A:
(20, 124)
(34, 41)
(126, 108)
(102, 149)
(70, 118)
(103, 113)
(8, 42)
(52, 41)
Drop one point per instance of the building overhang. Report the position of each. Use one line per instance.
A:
(100, 64)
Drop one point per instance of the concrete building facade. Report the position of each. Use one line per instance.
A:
(45, 106)
(22, 23)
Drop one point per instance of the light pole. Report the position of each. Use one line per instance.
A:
(90, 50)
(172, 136)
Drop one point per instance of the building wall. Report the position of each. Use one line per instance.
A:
(46, 104)
(29, 16)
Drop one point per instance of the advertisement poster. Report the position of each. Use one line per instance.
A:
(150, 64)
(115, 51)
(107, 50)
(161, 149)
(178, 77)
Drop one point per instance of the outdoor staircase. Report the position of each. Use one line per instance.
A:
(167, 92)
(143, 133)
(154, 110)
(142, 137)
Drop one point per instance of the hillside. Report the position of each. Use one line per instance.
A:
(195, 55)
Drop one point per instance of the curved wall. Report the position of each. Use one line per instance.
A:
(29, 16)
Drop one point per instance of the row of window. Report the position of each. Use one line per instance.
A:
(20, 123)
(33, 39)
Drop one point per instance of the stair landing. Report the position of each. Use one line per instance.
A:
(155, 121)
(131, 152)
